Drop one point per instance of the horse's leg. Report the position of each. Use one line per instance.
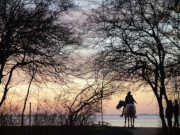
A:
(133, 122)
(128, 121)
(125, 121)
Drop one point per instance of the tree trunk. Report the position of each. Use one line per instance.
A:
(22, 115)
(162, 81)
(161, 114)
(7, 84)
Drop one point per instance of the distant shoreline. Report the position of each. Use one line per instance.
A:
(120, 114)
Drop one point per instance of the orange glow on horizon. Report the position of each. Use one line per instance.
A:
(146, 103)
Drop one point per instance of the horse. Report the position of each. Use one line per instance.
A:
(129, 112)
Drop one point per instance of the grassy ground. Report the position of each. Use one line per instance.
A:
(85, 130)
(174, 131)
(52, 130)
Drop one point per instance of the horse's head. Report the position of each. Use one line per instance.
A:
(121, 103)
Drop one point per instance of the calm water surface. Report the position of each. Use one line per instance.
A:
(140, 121)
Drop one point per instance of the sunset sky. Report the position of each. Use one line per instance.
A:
(146, 103)
(72, 63)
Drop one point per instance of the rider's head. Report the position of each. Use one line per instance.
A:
(129, 93)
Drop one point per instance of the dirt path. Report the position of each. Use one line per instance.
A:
(144, 131)
(116, 131)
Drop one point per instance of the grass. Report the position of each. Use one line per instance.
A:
(65, 130)
(52, 130)
(174, 131)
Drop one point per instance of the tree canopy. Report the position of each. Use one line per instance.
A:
(140, 42)
(33, 36)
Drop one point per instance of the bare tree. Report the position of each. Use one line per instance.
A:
(139, 42)
(82, 107)
(27, 95)
(32, 34)
(174, 91)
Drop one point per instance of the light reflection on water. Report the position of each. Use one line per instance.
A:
(140, 121)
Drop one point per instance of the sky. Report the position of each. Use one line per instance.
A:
(48, 95)
(146, 103)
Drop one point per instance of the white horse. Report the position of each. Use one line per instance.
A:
(129, 112)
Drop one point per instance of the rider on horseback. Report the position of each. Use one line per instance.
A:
(128, 100)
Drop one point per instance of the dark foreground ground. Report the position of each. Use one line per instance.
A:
(88, 130)
(52, 130)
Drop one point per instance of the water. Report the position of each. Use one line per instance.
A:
(140, 121)
(114, 120)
